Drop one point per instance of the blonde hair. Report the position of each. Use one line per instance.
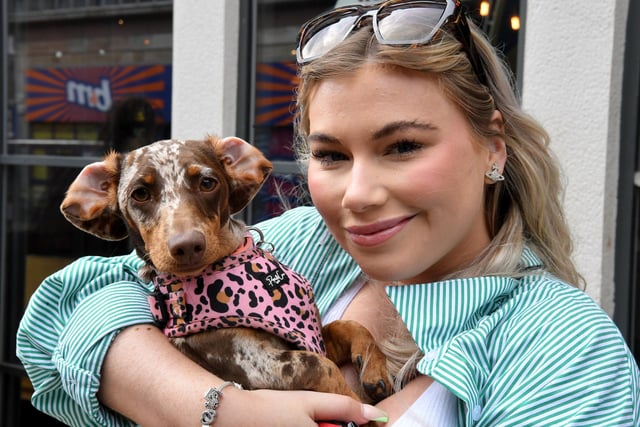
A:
(523, 210)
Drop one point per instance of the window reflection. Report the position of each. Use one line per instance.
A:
(83, 77)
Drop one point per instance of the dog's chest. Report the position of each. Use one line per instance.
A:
(248, 289)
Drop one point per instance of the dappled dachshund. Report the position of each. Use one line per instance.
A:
(222, 298)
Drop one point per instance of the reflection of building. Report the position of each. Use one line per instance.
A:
(82, 77)
(80, 57)
(130, 123)
(226, 67)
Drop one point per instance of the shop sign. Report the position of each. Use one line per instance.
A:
(85, 94)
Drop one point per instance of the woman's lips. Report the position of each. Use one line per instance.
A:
(376, 233)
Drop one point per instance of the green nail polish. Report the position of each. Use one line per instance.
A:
(374, 414)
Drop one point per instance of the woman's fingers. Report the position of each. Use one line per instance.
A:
(334, 407)
(307, 408)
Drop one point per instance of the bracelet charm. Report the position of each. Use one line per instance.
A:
(212, 401)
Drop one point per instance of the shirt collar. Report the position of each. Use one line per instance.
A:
(435, 312)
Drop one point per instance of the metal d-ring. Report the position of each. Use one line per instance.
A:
(261, 243)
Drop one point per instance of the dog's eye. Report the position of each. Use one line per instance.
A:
(208, 184)
(141, 194)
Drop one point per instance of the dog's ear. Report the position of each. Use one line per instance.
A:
(91, 203)
(246, 166)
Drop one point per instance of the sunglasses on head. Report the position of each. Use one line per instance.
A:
(395, 22)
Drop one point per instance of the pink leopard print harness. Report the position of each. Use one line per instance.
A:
(249, 288)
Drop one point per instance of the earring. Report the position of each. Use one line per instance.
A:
(494, 174)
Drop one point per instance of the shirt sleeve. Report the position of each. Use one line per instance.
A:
(67, 328)
(69, 324)
(563, 363)
(522, 352)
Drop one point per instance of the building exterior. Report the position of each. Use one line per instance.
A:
(84, 76)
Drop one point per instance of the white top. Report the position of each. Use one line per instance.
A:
(435, 407)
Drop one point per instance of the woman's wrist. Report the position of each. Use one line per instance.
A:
(212, 402)
(145, 378)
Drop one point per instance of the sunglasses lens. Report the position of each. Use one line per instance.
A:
(394, 23)
(409, 25)
(326, 38)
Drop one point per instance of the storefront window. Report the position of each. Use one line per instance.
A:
(82, 78)
(275, 80)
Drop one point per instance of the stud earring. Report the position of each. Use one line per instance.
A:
(494, 174)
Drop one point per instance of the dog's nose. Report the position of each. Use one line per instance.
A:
(187, 248)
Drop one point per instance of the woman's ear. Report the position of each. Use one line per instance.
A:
(496, 144)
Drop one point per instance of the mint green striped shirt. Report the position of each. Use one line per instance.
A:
(516, 352)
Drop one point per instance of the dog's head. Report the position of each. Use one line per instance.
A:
(173, 198)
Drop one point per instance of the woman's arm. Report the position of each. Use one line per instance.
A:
(147, 379)
(67, 328)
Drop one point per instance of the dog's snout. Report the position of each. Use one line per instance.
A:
(187, 248)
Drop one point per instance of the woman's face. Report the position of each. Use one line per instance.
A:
(396, 175)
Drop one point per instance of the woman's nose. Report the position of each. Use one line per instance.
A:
(364, 188)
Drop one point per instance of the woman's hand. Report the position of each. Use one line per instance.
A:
(398, 403)
(145, 378)
(305, 408)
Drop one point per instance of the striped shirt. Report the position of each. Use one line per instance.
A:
(529, 351)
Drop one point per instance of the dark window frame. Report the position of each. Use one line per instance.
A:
(627, 248)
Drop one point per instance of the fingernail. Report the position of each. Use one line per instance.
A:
(374, 414)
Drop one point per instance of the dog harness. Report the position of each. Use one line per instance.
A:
(249, 288)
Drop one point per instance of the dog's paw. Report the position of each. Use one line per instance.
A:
(378, 391)
(374, 376)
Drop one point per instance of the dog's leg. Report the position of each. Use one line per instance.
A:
(349, 342)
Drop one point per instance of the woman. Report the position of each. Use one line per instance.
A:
(436, 223)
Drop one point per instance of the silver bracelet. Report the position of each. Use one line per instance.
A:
(212, 401)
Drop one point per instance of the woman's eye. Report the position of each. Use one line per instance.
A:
(141, 194)
(208, 184)
(404, 147)
(327, 157)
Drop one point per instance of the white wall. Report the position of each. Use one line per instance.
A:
(205, 68)
(572, 84)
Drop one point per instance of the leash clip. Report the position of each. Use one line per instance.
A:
(261, 243)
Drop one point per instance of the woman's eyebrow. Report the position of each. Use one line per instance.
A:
(386, 130)
(393, 127)
(323, 138)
